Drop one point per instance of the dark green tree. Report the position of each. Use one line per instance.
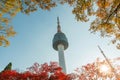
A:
(8, 67)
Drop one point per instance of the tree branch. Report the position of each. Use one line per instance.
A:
(113, 12)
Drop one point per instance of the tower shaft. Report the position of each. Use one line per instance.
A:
(61, 57)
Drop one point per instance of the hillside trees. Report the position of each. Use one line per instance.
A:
(106, 12)
(98, 70)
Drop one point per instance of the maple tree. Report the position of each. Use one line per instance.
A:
(37, 72)
(106, 12)
(8, 9)
(98, 70)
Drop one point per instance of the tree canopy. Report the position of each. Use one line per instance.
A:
(98, 70)
(106, 12)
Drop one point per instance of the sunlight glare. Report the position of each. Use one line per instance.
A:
(104, 69)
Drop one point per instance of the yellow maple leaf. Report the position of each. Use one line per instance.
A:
(1, 43)
(1, 27)
(2, 37)
(7, 43)
(1, 14)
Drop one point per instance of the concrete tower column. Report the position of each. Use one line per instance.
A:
(61, 57)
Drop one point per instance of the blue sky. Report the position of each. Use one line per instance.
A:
(33, 42)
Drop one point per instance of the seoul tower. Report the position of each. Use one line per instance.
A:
(60, 43)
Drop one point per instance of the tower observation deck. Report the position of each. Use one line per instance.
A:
(60, 43)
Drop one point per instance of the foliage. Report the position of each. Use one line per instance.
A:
(37, 72)
(8, 67)
(107, 13)
(8, 9)
(98, 70)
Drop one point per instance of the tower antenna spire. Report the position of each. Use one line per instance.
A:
(112, 68)
(58, 28)
(58, 20)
